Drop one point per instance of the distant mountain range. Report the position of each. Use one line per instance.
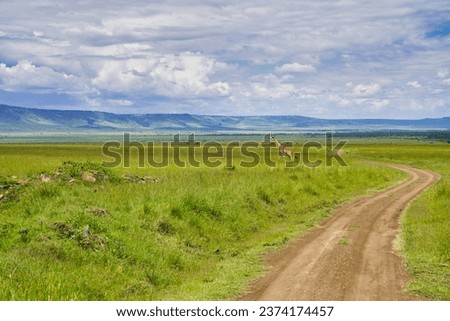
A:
(32, 120)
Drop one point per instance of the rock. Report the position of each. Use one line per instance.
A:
(1, 196)
(86, 231)
(141, 180)
(99, 188)
(44, 178)
(64, 229)
(99, 211)
(131, 178)
(151, 179)
(88, 177)
(23, 181)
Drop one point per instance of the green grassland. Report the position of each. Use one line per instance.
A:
(188, 233)
(192, 234)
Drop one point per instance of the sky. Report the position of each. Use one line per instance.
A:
(325, 59)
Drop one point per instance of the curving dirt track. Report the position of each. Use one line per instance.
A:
(350, 256)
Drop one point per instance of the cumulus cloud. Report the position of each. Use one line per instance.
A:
(184, 75)
(187, 74)
(414, 84)
(27, 76)
(124, 76)
(366, 90)
(442, 72)
(214, 53)
(379, 104)
(279, 91)
(373, 105)
(339, 100)
(296, 68)
(270, 86)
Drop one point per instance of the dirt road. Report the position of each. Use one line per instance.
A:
(350, 256)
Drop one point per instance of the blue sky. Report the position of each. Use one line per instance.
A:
(327, 59)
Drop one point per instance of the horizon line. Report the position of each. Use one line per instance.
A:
(218, 115)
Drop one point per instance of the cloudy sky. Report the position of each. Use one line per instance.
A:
(328, 59)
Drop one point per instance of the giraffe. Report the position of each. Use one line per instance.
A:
(283, 150)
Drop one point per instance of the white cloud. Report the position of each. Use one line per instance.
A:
(116, 50)
(442, 72)
(27, 76)
(124, 76)
(379, 104)
(38, 33)
(159, 21)
(414, 84)
(221, 88)
(339, 100)
(366, 90)
(185, 75)
(120, 102)
(270, 86)
(279, 91)
(204, 51)
(295, 68)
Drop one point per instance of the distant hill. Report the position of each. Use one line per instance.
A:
(19, 119)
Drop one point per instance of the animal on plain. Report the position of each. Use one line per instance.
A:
(282, 149)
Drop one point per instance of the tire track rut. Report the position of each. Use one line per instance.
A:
(350, 256)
